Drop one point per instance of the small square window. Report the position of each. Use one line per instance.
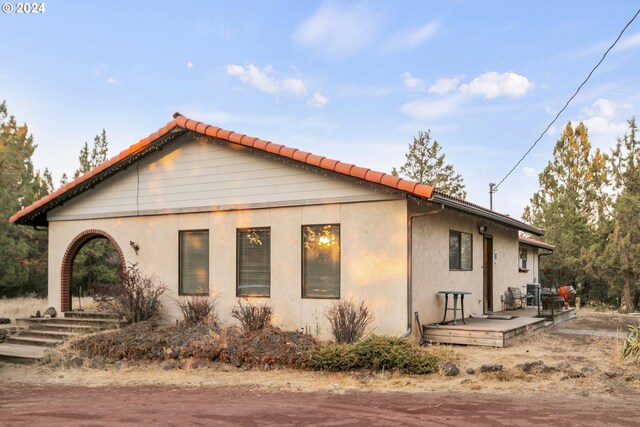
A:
(460, 251)
(321, 261)
(193, 248)
(254, 262)
(523, 260)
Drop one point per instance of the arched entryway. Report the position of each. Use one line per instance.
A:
(69, 256)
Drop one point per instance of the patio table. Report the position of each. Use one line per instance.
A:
(455, 304)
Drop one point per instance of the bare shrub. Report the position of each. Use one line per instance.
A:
(348, 320)
(198, 309)
(136, 299)
(253, 317)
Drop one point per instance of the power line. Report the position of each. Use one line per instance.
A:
(494, 187)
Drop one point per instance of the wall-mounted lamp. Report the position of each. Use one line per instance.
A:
(135, 246)
(482, 229)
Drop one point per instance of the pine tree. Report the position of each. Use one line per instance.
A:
(426, 165)
(22, 249)
(622, 254)
(89, 159)
(568, 208)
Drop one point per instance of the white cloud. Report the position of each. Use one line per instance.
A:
(552, 131)
(338, 30)
(112, 81)
(318, 100)
(493, 85)
(429, 109)
(629, 42)
(443, 86)
(189, 65)
(602, 107)
(411, 82)
(604, 125)
(527, 171)
(265, 80)
(412, 39)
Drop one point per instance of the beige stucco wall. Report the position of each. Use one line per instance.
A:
(530, 276)
(373, 257)
(430, 262)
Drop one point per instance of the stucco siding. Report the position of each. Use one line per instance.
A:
(373, 257)
(430, 263)
(200, 174)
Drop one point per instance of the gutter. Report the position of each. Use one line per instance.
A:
(410, 218)
(478, 211)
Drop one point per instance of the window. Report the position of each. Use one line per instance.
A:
(523, 260)
(321, 261)
(254, 262)
(194, 262)
(460, 251)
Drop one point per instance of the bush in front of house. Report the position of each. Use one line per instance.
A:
(148, 341)
(136, 299)
(198, 309)
(348, 320)
(631, 345)
(379, 353)
(252, 316)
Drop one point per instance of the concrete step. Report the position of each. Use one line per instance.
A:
(81, 329)
(90, 314)
(59, 335)
(96, 323)
(40, 342)
(17, 353)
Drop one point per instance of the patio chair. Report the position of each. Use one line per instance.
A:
(515, 294)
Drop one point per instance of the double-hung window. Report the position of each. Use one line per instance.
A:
(193, 251)
(460, 251)
(321, 261)
(253, 257)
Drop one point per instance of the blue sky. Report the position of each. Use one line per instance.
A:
(348, 80)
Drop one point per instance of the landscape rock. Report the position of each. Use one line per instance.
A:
(170, 365)
(572, 374)
(75, 362)
(3, 334)
(492, 368)
(471, 371)
(466, 381)
(50, 312)
(4, 321)
(529, 366)
(450, 369)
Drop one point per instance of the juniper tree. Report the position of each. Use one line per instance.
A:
(425, 164)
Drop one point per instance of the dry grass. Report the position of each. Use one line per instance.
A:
(13, 308)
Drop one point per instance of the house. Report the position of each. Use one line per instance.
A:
(206, 210)
(530, 251)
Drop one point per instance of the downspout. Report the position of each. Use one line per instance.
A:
(410, 218)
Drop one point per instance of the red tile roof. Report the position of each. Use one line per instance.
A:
(26, 215)
(537, 243)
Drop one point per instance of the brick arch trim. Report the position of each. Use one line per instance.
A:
(70, 255)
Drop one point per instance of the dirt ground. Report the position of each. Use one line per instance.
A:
(243, 406)
(588, 384)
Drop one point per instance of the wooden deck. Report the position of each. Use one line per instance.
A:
(486, 332)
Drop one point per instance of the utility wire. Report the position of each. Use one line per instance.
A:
(495, 187)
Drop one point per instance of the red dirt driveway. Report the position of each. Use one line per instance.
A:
(59, 405)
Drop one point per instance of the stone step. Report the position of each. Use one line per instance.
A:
(90, 314)
(59, 335)
(81, 329)
(96, 323)
(17, 353)
(32, 341)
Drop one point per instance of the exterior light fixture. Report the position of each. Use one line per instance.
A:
(482, 229)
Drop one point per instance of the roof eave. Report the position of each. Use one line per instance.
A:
(487, 214)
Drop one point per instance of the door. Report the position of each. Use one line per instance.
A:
(487, 274)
